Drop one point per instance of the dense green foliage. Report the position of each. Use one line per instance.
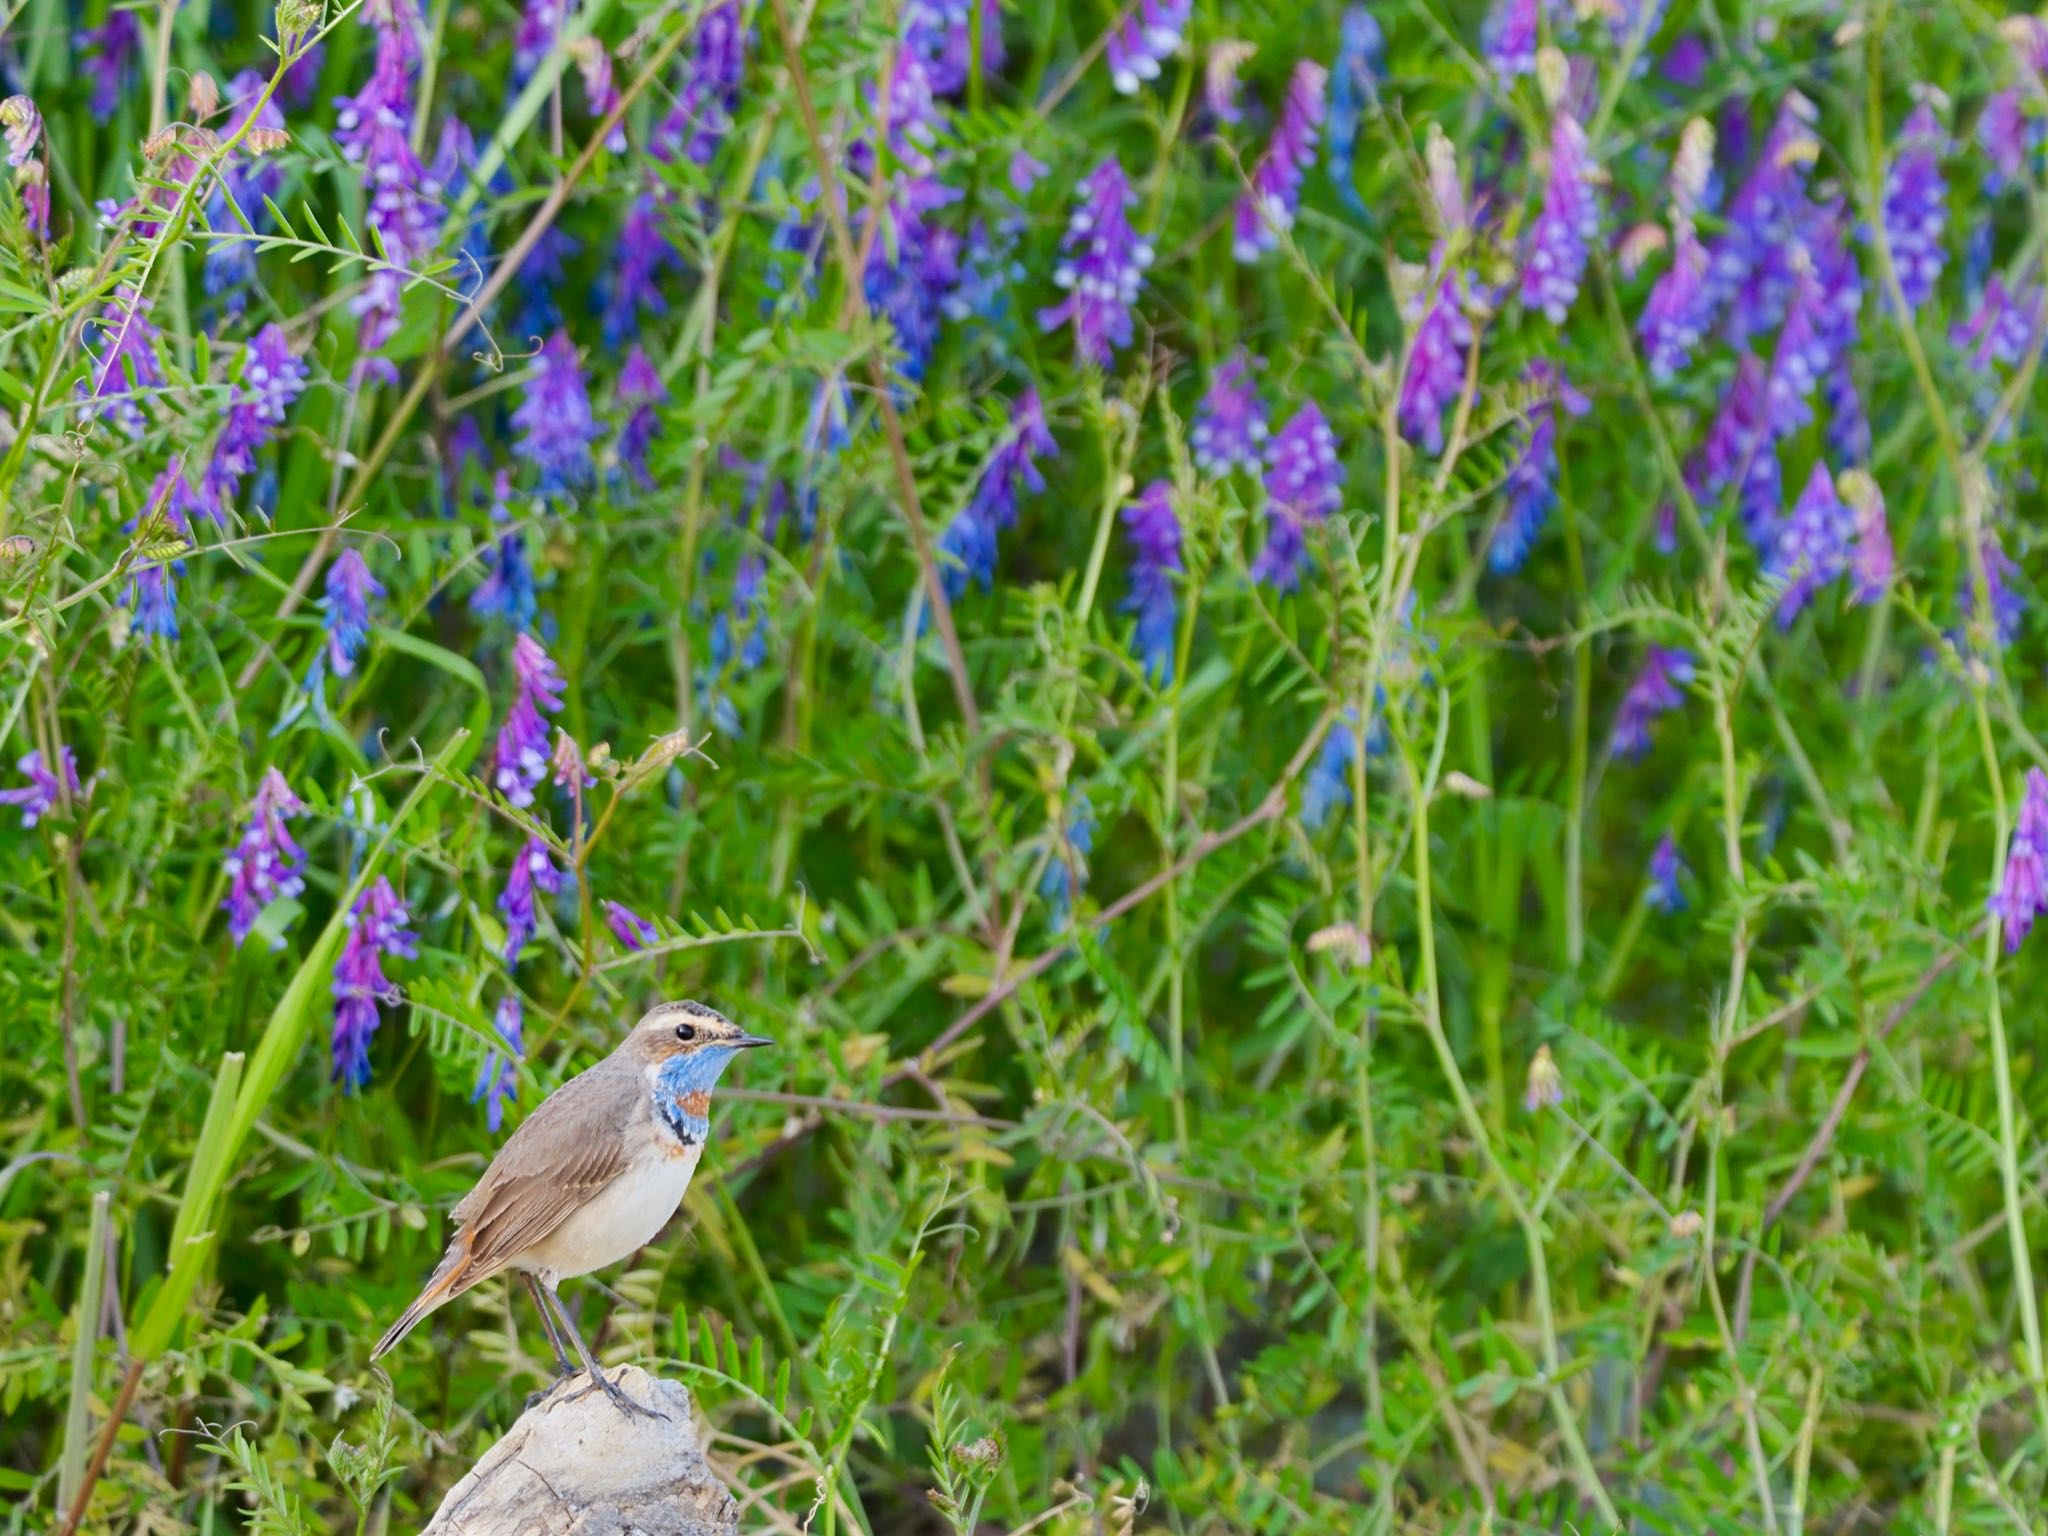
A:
(1231, 1199)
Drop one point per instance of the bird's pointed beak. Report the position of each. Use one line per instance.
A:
(748, 1042)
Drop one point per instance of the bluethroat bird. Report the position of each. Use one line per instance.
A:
(590, 1176)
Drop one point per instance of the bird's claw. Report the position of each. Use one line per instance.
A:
(599, 1382)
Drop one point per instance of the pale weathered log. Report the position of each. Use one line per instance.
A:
(583, 1468)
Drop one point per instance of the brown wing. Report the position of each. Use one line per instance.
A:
(561, 1155)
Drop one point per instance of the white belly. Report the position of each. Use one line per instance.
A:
(621, 1218)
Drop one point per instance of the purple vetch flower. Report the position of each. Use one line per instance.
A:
(533, 870)
(2022, 893)
(1750, 264)
(1916, 206)
(1102, 264)
(374, 130)
(1267, 211)
(46, 787)
(265, 865)
(1657, 690)
(107, 55)
(640, 391)
(22, 126)
(379, 927)
(1220, 83)
(941, 34)
(497, 1080)
(1304, 484)
(2008, 607)
(710, 90)
(632, 930)
(1797, 364)
(1678, 310)
(122, 343)
(1436, 365)
(2003, 326)
(2008, 137)
(1556, 256)
(1230, 422)
(969, 542)
(1154, 531)
(507, 591)
(350, 586)
(911, 275)
(1666, 868)
(1813, 547)
(634, 265)
(540, 23)
(1354, 81)
(1739, 450)
(1848, 431)
(1509, 38)
(1531, 486)
(1067, 869)
(1871, 561)
(520, 759)
(1148, 38)
(555, 425)
(272, 378)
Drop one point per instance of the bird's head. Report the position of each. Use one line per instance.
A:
(688, 1041)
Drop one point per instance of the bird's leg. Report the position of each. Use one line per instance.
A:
(563, 1367)
(599, 1382)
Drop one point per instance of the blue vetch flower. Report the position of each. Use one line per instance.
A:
(1655, 691)
(1531, 486)
(1067, 870)
(1266, 212)
(1155, 534)
(1509, 38)
(1149, 36)
(122, 345)
(632, 285)
(1564, 231)
(378, 927)
(1230, 422)
(107, 55)
(45, 787)
(1102, 265)
(1304, 484)
(1326, 787)
(1813, 548)
(1916, 206)
(532, 870)
(507, 592)
(555, 424)
(520, 759)
(265, 865)
(1678, 311)
(632, 930)
(969, 542)
(1436, 364)
(1666, 869)
(497, 1080)
(2002, 328)
(350, 586)
(1750, 267)
(152, 590)
(710, 91)
(1354, 78)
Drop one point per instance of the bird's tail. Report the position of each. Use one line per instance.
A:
(449, 1279)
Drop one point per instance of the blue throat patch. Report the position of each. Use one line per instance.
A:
(681, 1076)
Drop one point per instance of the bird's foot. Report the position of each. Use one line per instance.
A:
(599, 1382)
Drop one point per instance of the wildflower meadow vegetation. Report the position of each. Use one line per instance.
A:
(1356, 685)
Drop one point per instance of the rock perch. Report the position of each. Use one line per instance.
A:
(585, 1469)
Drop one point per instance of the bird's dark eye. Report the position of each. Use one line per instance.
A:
(686, 1033)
